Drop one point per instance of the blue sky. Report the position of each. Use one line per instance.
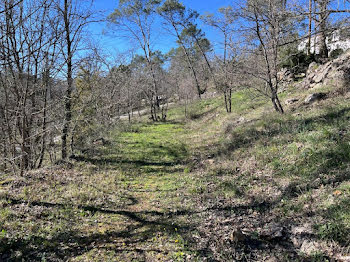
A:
(114, 45)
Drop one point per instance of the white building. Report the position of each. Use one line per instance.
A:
(339, 39)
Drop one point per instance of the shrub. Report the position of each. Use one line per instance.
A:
(336, 53)
(295, 61)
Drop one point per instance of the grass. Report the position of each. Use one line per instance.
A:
(178, 191)
(114, 201)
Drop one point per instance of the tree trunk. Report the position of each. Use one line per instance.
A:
(68, 96)
(190, 64)
(230, 101)
(308, 48)
(43, 138)
(323, 17)
(226, 102)
(277, 104)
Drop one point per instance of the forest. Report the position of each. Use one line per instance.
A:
(220, 135)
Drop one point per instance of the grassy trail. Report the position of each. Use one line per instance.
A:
(187, 190)
(149, 161)
(127, 203)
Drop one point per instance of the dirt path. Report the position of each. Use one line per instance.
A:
(140, 113)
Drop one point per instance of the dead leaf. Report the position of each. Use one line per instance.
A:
(337, 193)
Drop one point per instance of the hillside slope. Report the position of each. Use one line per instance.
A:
(248, 186)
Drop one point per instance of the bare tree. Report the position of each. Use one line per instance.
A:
(223, 24)
(268, 24)
(28, 40)
(322, 13)
(74, 17)
(135, 18)
(322, 6)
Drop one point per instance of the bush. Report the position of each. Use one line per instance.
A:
(295, 61)
(336, 53)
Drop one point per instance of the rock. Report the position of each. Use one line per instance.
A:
(291, 101)
(310, 247)
(315, 86)
(312, 68)
(306, 208)
(322, 73)
(339, 78)
(57, 139)
(237, 236)
(312, 85)
(297, 241)
(281, 74)
(343, 258)
(305, 229)
(100, 142)
(285, 77)
(305, 84)
(210, 161)
(272, 231)
(320, 76)
(314, 97)
(333, 73)
(241, 120)
(311, 77)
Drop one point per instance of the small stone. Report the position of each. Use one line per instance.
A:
(291, 101)
(310, 247)
(306, 207)
(272, 231)
(210, 161)
(240, 120)
(312, 67)
(297, 242)
(314, 97)
(318, 85)
(343, 258)
(237, 236)
(302, 229)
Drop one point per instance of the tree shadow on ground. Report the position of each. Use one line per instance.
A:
(72, 243)
(203, 114)
(157, 159)
(315, 161)
(321, 167)
(273, 129)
